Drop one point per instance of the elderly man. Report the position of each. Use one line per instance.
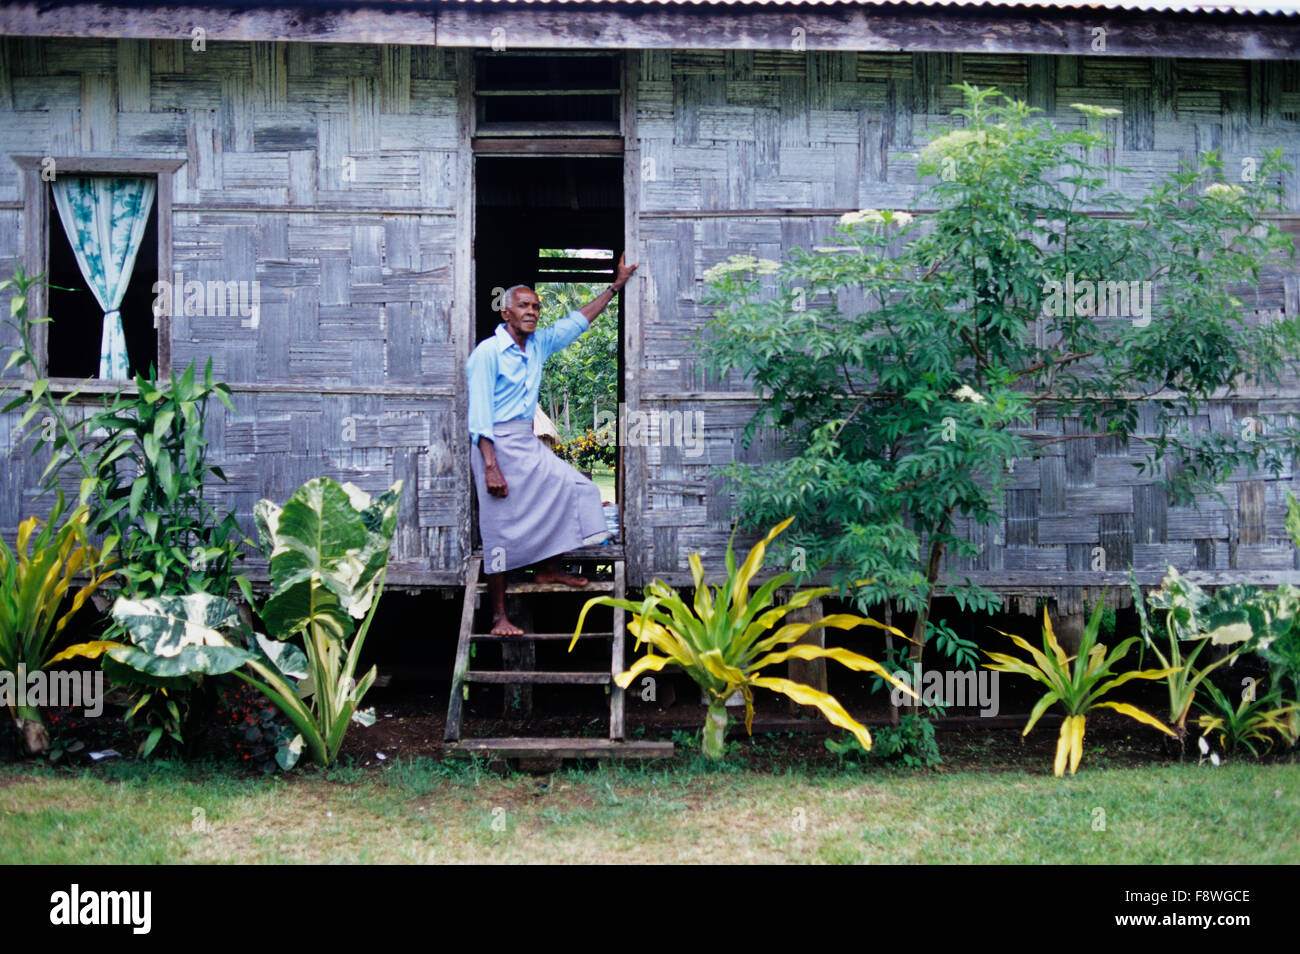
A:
(531, 504)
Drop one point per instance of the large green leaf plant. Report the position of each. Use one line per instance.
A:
(327, 549)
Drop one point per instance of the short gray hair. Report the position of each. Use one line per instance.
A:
(508, 299)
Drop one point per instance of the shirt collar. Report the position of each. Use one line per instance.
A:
(503, 338)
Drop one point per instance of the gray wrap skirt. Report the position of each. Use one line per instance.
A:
(549, 507)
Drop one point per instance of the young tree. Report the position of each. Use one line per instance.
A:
(586, 373)
(908, 365)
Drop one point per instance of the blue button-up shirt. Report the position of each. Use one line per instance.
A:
(504, 381)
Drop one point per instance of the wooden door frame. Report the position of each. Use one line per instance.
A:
(466, 274)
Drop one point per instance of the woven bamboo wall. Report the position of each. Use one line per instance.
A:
(743, 146)
(332, 175)
(327, 174)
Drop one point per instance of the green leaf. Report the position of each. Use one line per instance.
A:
(288, 753)
(165, 625)
(155, 736)
(285, 657)
(138, 488)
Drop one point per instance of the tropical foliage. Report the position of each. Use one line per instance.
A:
(720, 641)
(328, 554)
(909, 362)
(172, 649)
(328, 551)
(1192, 620)
(581, 381)
(1262, 720)
(141, 460)
(142, 463)
(35, 576)
(1076, 683)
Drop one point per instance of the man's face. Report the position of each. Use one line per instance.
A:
(522, 314)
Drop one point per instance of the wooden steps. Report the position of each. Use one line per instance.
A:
(552, 636)
(560, 748)
(512, 676)
(594, 587)
(546, 751)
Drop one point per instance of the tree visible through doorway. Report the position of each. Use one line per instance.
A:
(580, 385)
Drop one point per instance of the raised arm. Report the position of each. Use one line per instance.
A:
(593, 308)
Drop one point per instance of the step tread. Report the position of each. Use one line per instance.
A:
(601, 552)
(585, 635)
(593, 586)
(562, 748)
(512, 676)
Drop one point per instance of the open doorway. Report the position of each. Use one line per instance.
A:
(555, 223)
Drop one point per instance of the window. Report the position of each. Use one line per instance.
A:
(76, 338)
(533, 94)
(73, 346)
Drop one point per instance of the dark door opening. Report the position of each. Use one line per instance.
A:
(555, 223)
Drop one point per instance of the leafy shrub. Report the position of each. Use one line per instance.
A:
(591, 450)
(142, 461)
(908, 362)
(911, 743)
(255, 731)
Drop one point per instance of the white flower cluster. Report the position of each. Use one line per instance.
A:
(1224, 191)
(741, 263)
(968, 393)
(876, 217)
(1097, 112)
(953, 144)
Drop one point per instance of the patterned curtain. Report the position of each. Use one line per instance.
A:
(105, 218)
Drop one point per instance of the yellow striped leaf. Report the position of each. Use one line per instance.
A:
(827, 704)
(1076, 743)
(1133, 712)
(1063, 747)
(90, 650)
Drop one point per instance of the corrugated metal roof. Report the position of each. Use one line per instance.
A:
(1277, 7)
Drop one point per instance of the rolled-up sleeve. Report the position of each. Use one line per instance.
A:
(481, 375)
(561, 334)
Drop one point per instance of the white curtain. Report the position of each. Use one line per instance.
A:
(105, 218)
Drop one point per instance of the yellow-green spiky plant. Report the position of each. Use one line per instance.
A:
(1076, 682)
(720, 641)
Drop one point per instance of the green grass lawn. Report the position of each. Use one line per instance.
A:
(604, 479)
(427, 811)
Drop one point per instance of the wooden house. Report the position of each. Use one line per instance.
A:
(370, 172)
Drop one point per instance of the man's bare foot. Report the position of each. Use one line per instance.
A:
(549, 575)
(501, 626)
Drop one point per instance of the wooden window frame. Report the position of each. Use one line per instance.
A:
(36, 247)
(510, 138)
